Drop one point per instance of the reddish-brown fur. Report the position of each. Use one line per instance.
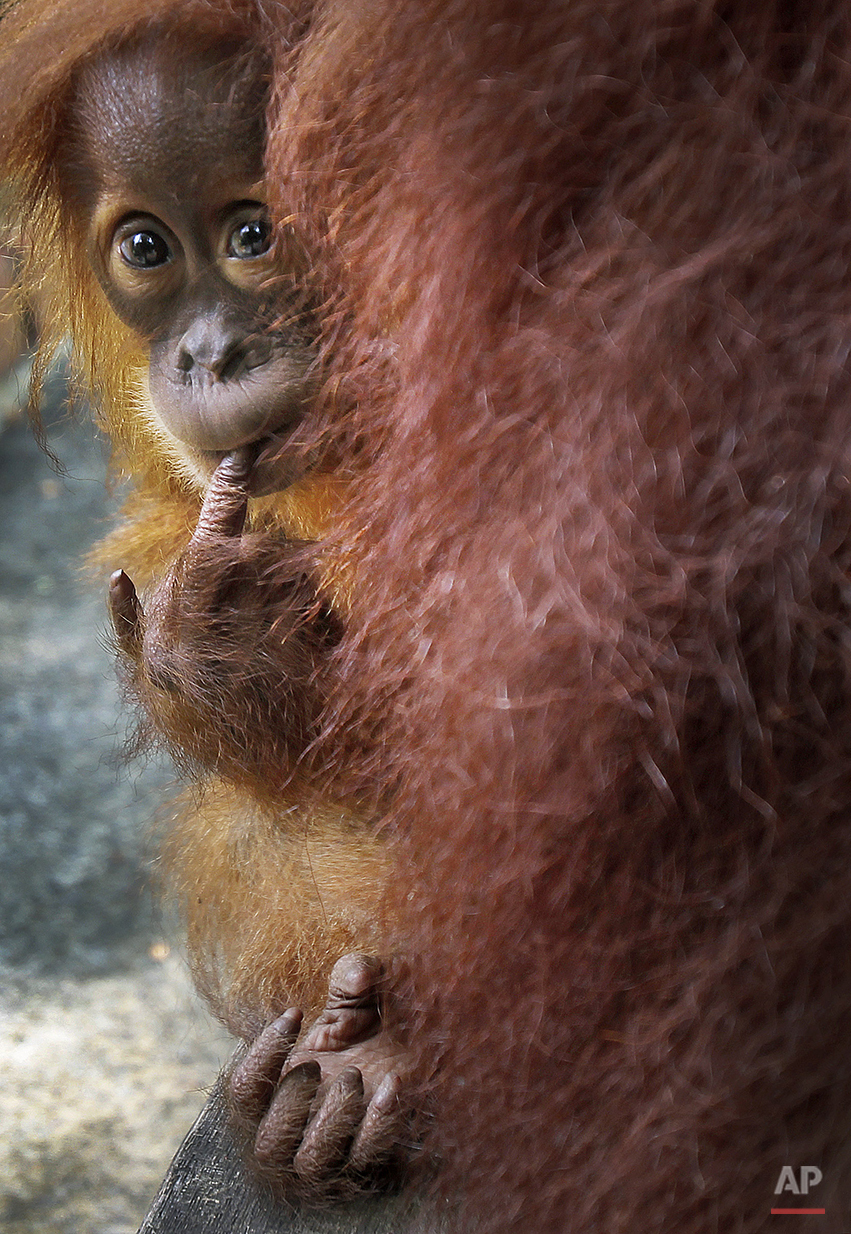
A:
(587, 315)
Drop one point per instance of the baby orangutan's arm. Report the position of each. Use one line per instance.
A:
(225, 659)
(325, 1111)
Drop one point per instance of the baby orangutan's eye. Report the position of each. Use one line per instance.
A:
(250, 239)
(144, 250)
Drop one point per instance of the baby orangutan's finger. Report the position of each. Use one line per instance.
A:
(323, 1148)
(253, 1080)
(126, 613)
(283, 1126)
(226, 500)
(382, 1130)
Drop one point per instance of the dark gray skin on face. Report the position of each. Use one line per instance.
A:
(178, 236)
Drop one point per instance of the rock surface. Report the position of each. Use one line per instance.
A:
(104, 1051)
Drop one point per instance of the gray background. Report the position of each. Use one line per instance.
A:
(104, 1050)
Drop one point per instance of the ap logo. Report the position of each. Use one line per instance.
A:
(808, 1176)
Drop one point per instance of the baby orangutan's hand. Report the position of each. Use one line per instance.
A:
(225, 658)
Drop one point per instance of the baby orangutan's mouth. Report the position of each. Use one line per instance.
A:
(280, 459)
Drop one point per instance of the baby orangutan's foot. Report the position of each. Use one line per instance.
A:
(325, 1110)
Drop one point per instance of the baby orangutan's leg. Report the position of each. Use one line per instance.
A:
(326, 1112)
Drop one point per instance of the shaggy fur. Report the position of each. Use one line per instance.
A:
(587, 306)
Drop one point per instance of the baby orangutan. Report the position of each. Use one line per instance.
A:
(164, 171)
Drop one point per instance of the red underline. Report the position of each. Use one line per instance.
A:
(797, 1212)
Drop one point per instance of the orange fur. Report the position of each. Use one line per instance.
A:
(272, 899)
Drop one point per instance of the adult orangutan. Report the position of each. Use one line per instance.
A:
(555, 682)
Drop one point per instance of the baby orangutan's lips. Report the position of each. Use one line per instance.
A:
(279, 459)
